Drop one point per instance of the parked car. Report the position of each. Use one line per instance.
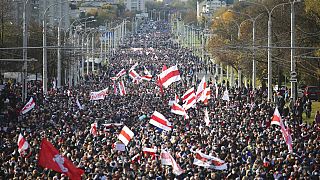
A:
(313, 92)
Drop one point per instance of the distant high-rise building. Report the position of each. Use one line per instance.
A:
(208, 7)
(135, 5)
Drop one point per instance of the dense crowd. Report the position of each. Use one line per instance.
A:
(239, 133)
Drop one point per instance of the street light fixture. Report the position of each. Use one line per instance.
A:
(25, 45)
(269, 42)
(44, 49)
(24, 93)
(59, 49)
(253, 20)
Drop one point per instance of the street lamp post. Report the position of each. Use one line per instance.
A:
(87, 42)
(92, 50)
(59, 44)
(293, 61)
(254, 63)
(25, 44)
(44, 49)
(269, 42)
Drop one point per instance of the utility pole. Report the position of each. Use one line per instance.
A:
(293, 61)
(92, 51)
(25, 45)
(44, 55)
(59, 59)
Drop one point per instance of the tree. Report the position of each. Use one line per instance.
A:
(313, 8)
(240, 49)
(5, 8)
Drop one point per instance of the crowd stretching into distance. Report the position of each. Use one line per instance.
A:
(132, 133)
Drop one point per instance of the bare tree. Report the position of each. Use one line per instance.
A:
(4, 15)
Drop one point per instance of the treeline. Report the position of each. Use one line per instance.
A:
(232, 44)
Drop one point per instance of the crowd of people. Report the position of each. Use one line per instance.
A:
(239, 132)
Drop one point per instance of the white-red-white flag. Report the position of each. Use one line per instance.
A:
(119, 74)
(125, 135)
(150, 151)
(133, 67)
(122, 89)
(177, 109)
(164, 67)
(202, 86)
(158, 120)
(187, 94)
(113, 78)
(176, 98)
(276, 118)
(167, 159)
(286, 134)
(23, 145)
(208, 161)
(190, 102)
(30, 105)
(135, 76)
(136, 158)
(146, 77)
(94, 129)
(206, 95)
(115, 89)
(206, 117)
(170, 76)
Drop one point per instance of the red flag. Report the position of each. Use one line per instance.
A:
(164, 67)
(93, 129)
(49, 157)
(160, 85)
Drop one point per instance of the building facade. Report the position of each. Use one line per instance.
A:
(208, 7)
(135, 5)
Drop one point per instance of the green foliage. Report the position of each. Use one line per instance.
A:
(150, 5)
(313, 6)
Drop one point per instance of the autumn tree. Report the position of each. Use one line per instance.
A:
(307, 28)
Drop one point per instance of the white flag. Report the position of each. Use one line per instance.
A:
(79, 105)
(225, 96)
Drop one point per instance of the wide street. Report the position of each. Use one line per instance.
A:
(159, 90)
